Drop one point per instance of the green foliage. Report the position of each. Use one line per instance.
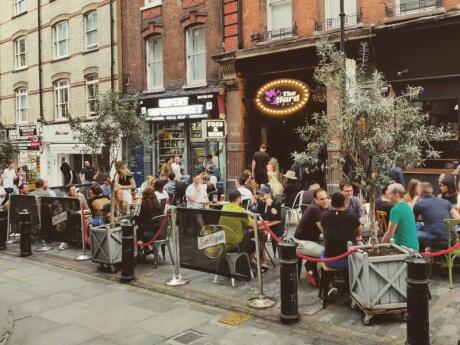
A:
(116, 120)
(8, 151)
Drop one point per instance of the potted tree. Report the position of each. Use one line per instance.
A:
(373, 133)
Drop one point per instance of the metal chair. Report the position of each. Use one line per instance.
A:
(246, 203)
(294, 210)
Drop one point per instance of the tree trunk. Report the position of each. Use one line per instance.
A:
(373, 222)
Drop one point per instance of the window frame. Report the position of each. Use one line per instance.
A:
(17, 4)
(22, 113)
(85, 19)
(18, 54)
(57, 40)
(190, 80)
(59, 85)
(148, 50)
(91, 80)
(269, 14)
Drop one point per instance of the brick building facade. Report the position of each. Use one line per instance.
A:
(166, 59)
(276, 39)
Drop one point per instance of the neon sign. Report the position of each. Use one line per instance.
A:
(282, 97)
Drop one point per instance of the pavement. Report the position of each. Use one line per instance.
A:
(42, 287)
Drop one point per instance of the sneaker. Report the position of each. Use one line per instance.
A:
(310, 278)
(332, 292)
(63, 245)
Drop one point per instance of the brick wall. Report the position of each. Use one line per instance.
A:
(170, 20)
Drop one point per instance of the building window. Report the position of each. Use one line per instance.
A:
(92, 94)
(154, 55)
(19, 6)
(333, 15)
(61, 98)
(91, 30)
(61, 39)
(279, 22)
(20, 52)
(196, 55)
(21, 104)
(411, 6)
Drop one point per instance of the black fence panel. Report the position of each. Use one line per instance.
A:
(83, 188)
(24, 202)
(61, 219)
(215, 242)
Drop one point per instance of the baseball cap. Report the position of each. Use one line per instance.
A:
(264, 189)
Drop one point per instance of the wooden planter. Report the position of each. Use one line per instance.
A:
(378, 284)
(106, 247)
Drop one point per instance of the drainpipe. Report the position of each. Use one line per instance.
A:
(240, 24)
(112, 60)
(40, 72)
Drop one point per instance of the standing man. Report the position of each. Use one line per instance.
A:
(88, 172)
(259, 165)
(197, 196)
(308, 231)
(7, 178)
(209, 166)
(402, 220)
(176, 167)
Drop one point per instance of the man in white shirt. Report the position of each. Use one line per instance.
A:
(176, 168)
(197, 196)
(7, 178)
(245, 192)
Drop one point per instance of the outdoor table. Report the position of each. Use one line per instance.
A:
(218, 205)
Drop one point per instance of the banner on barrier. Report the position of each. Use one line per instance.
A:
(215, 241)
(60, 219)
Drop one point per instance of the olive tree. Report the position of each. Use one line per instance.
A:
(373, 132)
(8, 152)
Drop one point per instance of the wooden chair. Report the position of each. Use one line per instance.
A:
(381, 217)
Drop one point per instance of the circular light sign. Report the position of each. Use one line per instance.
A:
(282, 97)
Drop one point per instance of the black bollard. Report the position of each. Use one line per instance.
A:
(3, 227)
(418, 320)
(25, 231)
(127, 255)
(288, 280)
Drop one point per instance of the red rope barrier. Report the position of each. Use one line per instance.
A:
(441, 252)
(162, 227)
(309, 258)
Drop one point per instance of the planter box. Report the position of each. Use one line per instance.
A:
(378, 284)
(106, 245)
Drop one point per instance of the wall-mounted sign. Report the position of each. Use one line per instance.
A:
(189, 107)
(214, 129)
(25, 137)
(282, 97)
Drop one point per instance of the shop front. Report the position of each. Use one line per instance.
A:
(183, 126)
(59, 144)
(27, 139)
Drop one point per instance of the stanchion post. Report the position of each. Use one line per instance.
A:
(177, 279)
(418, 322)
(127, 253)
(261, 301)
(25, 231)
(288, 281)
(83, 256)
(44, 247)
(3, 227)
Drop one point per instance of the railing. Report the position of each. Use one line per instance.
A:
(334, 23)
(281, 33)
(411, 7)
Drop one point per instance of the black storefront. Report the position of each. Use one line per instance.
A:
(180, 125)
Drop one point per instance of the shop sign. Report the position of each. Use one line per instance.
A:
(214, 129)
(183, 108)
(25, 137)
(282, 97)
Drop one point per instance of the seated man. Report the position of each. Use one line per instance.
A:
(339, 227)
(39, 190)
(352, 203)
(308, 231)
(402, 221)
(432, 212)
(384, 203)
(240, 236)
(269, 209)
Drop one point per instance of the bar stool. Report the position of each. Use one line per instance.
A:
(327, 274)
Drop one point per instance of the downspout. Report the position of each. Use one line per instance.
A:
(40, 72)
(112, 55)
(222, 21)
(240, 24)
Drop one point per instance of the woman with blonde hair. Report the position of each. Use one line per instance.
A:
(414, 190)
(273, 174)
(124, 180)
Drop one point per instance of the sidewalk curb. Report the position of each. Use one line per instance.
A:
(311, 328)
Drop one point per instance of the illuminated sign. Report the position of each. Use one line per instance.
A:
(25, 137)
(214, 129)
(282, 97)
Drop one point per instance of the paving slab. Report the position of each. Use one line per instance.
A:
(6, 324)
(67, 334)
(28, 329)
(117, 297)
(72, 312)
(134, 335)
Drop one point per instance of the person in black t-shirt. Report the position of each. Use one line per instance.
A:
(259, 165)
(384, 204)
(339, 227)
(308, 231)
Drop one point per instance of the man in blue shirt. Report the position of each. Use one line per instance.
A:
(432, 211)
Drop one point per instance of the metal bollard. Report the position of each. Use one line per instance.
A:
(288, 280)
(418, 322)
(127, 255)
(3, 228)
(25, 231)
